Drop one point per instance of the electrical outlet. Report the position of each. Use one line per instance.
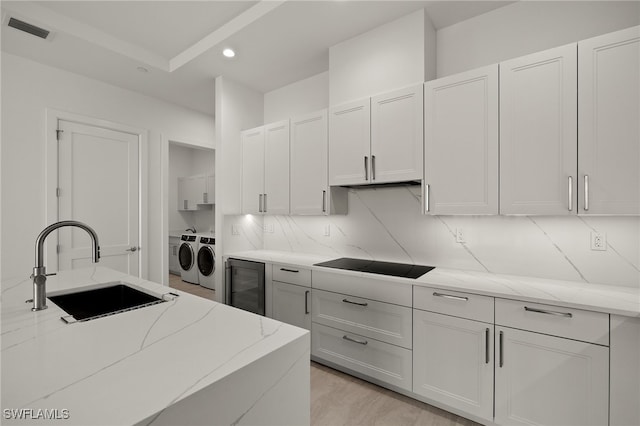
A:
(598, 241)
(327, 230)
(235, 230)
(268, 228)
(459, 235)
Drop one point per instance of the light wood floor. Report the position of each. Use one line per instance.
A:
(338, 399)
(197, 290)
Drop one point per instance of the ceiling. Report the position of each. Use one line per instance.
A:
(179, 43)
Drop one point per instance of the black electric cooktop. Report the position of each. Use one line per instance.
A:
(404, 270)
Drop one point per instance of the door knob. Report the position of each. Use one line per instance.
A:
(133, 248)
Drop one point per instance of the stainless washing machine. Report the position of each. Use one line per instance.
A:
(207, 262)
(187, 258)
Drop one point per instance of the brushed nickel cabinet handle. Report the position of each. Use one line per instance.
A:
(264, 205)
(586, 193)
(306, 302)
(486, 345)
(501, 363)
(373, 167)
(288, 270)
(449, 296)
(355, 303)
(543, 311)
(366, 168)
(426, 197)
(324, 201)
(570, 193)
(259, 203)
(360, 342)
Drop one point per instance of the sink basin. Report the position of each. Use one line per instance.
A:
(109, 299)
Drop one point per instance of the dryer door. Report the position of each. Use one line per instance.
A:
(206, 260)
(186, 256)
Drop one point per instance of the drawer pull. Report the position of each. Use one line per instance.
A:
(449, 296)
(360, 342)
(289, 270)
(542, 311)
(355, 303)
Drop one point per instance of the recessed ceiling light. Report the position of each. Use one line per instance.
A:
(142, 69)
(229, 53)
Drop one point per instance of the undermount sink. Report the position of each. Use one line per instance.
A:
(109, 299)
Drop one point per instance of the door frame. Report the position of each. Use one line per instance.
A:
(165, 141)
(51, 179)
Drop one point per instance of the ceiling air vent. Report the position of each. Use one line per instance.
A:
(28, 28)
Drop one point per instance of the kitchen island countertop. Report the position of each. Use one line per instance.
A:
(185, 361)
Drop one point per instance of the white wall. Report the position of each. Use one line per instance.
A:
(526, 27)
(302, 97)
(394, 55)
(28, 90)
(187, 161)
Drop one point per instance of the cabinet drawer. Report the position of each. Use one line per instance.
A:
(463, 305)
(292, 275)
(388, 363)
(554, 320)
(364, 286)
(382, 321)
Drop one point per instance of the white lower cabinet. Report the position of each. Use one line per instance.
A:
(381, 361)
(453, 362)
(548, 380)
(291, 304)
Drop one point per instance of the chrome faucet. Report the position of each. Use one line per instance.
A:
(192, 229)
(39, 271)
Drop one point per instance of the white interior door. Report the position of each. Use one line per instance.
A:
(98, 177)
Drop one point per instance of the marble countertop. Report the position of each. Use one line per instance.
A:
(594, 297)
(130, 367)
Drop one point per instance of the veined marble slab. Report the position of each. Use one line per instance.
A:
(610, 299)
(184, 361)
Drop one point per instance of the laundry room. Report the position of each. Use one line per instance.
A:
(191, 213)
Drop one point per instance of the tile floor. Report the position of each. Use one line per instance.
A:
(338, 399)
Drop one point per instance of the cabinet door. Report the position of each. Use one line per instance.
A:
(252, 170)
(292, 304)
(397, 135)
(350, 143)
(546, 380)
(453, 362)
(276, 168)
(197, 189)
(183, 202)
(309, 152)
(210, 189)
(609, 123)
(538, 133)
(461, 143)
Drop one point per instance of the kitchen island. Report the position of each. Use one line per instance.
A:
(185, 361)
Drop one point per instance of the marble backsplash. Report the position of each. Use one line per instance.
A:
(386, 224)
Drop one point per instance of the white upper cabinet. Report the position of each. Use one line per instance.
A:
(350, 143)
(397, 135)
(276, 168)
(538, 133)
(265, 169)
(377, 140)
(252, 170)
(609, 123)
(309, 150)
(461, 143)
